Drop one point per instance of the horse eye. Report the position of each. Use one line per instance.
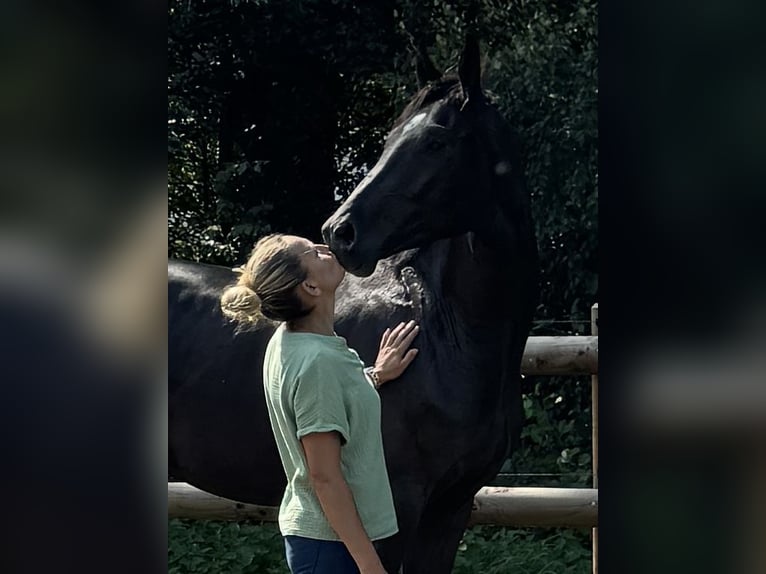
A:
(435, 145)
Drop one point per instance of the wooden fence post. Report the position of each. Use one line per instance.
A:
(594, 429)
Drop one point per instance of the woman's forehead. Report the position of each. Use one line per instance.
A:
(298, 242)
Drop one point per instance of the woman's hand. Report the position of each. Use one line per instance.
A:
(393, 356)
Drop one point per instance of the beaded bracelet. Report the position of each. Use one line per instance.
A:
(373, 374)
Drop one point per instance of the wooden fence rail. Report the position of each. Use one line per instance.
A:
(576, 355)
(545, 507)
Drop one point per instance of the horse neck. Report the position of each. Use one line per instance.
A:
(481, 314)
(484, 286)
(492, 271)
(490, 276)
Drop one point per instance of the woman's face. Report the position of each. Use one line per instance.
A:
(321, 266)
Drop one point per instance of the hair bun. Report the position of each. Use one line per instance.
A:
(240, 303)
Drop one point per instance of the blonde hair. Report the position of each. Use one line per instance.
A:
(266, 285)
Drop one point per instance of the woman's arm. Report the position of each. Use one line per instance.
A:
(323, 458)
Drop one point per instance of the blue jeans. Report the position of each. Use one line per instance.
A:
(309, 556)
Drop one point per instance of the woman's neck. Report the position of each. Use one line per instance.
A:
(321, 320)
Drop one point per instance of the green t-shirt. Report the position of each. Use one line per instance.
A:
(316, 383)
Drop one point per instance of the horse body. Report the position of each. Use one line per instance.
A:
(219, 435)
(440, 232)
(449, 422)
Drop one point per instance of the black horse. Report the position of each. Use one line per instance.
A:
(439, 231)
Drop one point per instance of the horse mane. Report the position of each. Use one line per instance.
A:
(447, 88)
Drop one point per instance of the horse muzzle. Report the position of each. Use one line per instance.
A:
(340, 234)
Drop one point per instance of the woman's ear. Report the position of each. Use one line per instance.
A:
(309, 288)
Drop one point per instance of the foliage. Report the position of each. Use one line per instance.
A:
(496, 550)
(555, 441)
(203, 547)
(214, 547)
(270, 108)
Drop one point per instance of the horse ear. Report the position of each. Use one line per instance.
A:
(469, 70)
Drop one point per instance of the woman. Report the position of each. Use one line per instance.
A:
(324, 412)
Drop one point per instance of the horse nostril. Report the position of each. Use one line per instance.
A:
(344, 233)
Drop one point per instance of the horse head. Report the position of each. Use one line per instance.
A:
(450, 164)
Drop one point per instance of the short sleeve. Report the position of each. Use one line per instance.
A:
(318, 401)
